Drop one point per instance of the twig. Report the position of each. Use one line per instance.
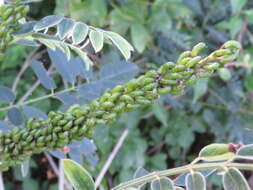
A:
(1, 182)
(52, 164)
(111, 158)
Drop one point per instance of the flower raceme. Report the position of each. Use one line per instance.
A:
(78, 121)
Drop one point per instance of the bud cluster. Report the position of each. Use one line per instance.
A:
(10, 14)
(78, 122)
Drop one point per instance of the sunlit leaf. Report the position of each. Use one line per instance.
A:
(124, 47)
(140, 172)
(97, 40)
(234, 180)
(65, 27)
(195, 181)
(246, 152)
(25, 167)
(200, 89)
(47, 22)
(80, 32)
(78, 176)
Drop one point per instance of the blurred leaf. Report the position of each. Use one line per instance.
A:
(195, 181)
(162, 184)
(80, 32)
(194, 5)
(15, 116)
(97, 40)
(25, 29)
(68, 99)
(47, 22)
(237, 5)
(140, 37)
(140, 172)
(200, 89)
(4, 127)
(160, 112)
(78, 176)
(225, 74)
(42, 74)
(246, 152)
(249, 15)
(30, 184)
(65, 27)
(234, 180)
(6, 95)
(124, 47)
(32, 112)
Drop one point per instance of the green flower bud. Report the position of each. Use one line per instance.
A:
(62, 122)
(127, 98)
(90, 122)
(57, 129)
(136, 93)
(213, 66)
(168, 82)
(166, 67)
(232, 44)
(165, 90)
(184, 55)
(150, 86)
(193, 61)
(222, 52)
(151, 74)
(107, 105)
(147, 81)
(178, 68)
(185, 61)
(191, 80)
(79, 121)
(173, 76)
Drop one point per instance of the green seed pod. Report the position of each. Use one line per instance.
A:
(185, 61)
(111, 116)
(193, 61)
(57, 129)
(232, 44)
(79, 121)
(16, 137)
(41, 140)
(150, 86)
(7, 141)
(165, 90)
(82, 131)
(57, 118)
(74, 108)
(74, 129)
(68, 117)
(114, 96)
(168, 82)
(166, 67)
(98, 113)
(68, 125)
(147, 81)
(176, 90)
(51, 114)
(222, 52)
(132, 106)
(119, 107)
(184, 55)
(118, 88)
(62, 122)
(142, 101)
(204, 74)
(131, 85)
(213, 66)
(29, 138)
(101, 121)
(151, 74)
(191, 80)
(197, 48)
(173, 76)
(178, 68)
(136, 93)
(227, 59)
(90, 133)
(107, 105)
(48, 138)
(64, 135)
(90, 122)
(187, 73)
(127, 98)
(151, 95)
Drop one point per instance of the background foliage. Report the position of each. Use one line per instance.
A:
(171, 131)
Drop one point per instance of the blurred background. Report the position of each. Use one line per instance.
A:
(170, 132)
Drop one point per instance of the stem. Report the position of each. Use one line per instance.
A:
(61, 176)
(111, 158)
(181, 170)
(1, 182)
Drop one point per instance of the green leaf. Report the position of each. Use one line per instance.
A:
(237, 5)
(195, 181)
(97, 40)
(47, 22)
(124, 47)
(160, 112)
(65, 27)
(216, 152)
(200, 89)
(140, 37)
(234, 180)
(77, 175)
(80, 32)
(246, 152)
(162, 184)
(225, 74)
(84, 57)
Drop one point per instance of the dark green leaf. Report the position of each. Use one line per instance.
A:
(77, 175)
(200, 89)
(6, 95)
(32, 112)
(237, 5)
(15, 116)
